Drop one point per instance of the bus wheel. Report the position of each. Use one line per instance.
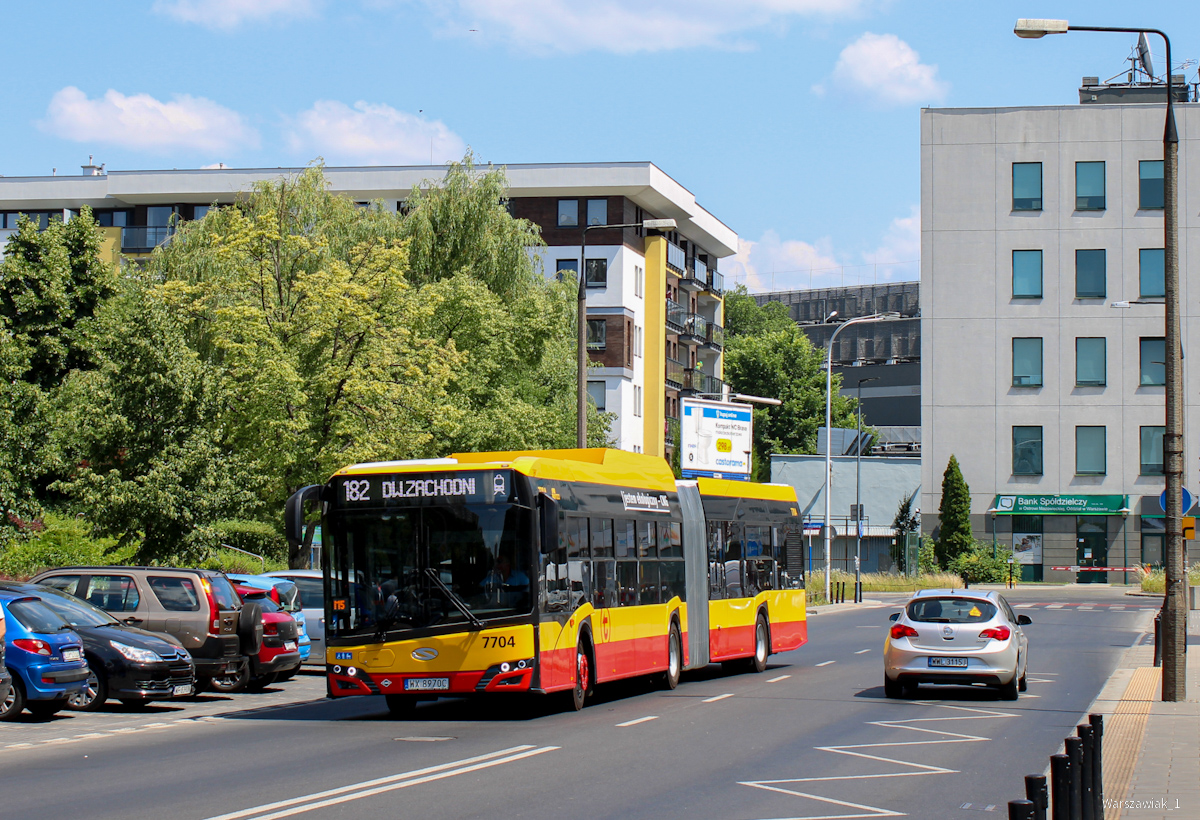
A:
(762, 645)
(401, 706)
(674, 658)
(583, 677)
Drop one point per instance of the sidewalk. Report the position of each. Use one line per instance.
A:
(1151, 748)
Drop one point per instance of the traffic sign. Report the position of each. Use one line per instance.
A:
(1187, 500)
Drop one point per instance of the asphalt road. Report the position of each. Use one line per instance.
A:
(811, 737)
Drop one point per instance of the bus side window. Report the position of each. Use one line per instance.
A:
(670, 539)
(604, 576)
(735, 533)
(625, 539)
(716, 565)
(647, 534)
(648, 589)
(577, 538)
(627, 578)
(602, 537)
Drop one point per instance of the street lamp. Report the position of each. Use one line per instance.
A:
(1174, 614)
(874, 317)
(858, 496)
(581, 318)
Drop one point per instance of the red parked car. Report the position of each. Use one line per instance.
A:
(279, 654)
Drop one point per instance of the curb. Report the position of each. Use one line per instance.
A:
(1145, 594)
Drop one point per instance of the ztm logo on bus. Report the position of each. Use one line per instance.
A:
(425, 653)
(724, 445)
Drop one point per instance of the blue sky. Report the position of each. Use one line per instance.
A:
(794, 121)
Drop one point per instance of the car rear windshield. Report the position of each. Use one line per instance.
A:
(312, 592)
(951, 610)
(176, 594)
(265, 602)
(36, 616)
(224, 593)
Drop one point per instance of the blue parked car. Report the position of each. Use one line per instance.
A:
(285, 593)
(44, 656)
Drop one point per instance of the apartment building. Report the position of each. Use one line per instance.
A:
(1042, 324)
(654, 300)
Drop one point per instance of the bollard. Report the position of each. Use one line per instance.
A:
(1020, 810)
(1087, 805)
(1157, 632)
(1074, 748)
(1035, 792)
(1060, 785)
(1097, 722)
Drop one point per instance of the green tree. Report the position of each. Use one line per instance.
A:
(905, 521)
(954, 514)
(766, 354)
(927, 561)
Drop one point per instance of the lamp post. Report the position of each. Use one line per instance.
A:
(858, 496)
(874, 317)
(581, 319)
(1174, 614)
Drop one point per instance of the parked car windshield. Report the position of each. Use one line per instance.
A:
(951, 610)
(36, 616)
(223, 592)
(74, 611)
(312, 592)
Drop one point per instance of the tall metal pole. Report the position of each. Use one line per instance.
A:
(582, 356)
(858, 494)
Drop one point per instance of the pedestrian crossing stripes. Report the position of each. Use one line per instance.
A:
(1084, 606)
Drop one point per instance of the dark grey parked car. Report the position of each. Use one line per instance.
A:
(199, 607)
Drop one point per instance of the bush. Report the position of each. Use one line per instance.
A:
(64, 541)
(204, 543)
(927, 562)
(979, 566)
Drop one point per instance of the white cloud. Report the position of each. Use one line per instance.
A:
(886, 71)
(227, 14)
(774, 264)
(372, 133)
(143, 122)
(624, 26)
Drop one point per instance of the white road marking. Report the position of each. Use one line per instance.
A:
(1116, 608)
(1024, 606)
(370, 788)
(18, 746)
(869, 626)
(826, 663)
(1054, 606)
(1086, 607)
(778, 679)
(90, 735)
(861, 651)
(636, 722)
(717, 698)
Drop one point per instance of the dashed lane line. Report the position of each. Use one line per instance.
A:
(636, 721)
(717, 698)
(778, 679)
(826, 663)
(862, 651)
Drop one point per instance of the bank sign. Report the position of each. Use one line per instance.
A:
(1059, 504)
(716, 439)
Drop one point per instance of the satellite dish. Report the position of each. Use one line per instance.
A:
(1143, 55)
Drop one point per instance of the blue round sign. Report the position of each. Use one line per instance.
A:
(1186, 499)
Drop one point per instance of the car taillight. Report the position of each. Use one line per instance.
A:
(33, 645)
(1000, 633)
(214, 611)
(903, 631)
(270, 629)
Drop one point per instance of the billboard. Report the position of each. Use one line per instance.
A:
(1027, 547)
(716, 439)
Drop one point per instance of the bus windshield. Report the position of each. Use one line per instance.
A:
(424, 566)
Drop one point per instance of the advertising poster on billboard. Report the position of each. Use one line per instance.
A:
(1027, 547)
(716, 439)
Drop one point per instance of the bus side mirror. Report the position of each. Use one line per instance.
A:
(293, 513)
(548, 523)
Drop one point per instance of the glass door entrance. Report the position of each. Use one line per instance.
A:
(1091, 542)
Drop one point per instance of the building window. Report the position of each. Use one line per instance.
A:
(1027, 274)
(1154, 361)
(1150, 185)
(597, 273)
(1027, 186)
(1152, 277)
(637, 400)
(1090, 451)
(1153, 540)
(597, 212)
(637, 341)
(1091, 363)
(597, 334)
(563, 266)
(1152, 450)
(568, 213)
(1027, 450)
(596, 393)
(1027, 362)
(1089, 186)
(639, 275)
(1090, 274)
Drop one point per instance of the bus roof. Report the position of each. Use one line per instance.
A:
(746, 489)
(596, 465)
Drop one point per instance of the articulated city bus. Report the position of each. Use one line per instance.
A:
(546, 571)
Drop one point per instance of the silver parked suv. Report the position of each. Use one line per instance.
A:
(956, 636)
(199, 607)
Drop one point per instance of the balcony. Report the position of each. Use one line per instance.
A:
(696, 327)
(701, 382)
(675, 374)
(144, 238)
(671, 433)
(676, 316)
(715, 336)
(716, 282)
(694, 279)
(676, 258)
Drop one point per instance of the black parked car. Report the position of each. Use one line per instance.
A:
(126, 663)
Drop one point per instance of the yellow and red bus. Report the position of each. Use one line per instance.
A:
(547, 571)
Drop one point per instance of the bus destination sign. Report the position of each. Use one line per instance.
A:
(484, 487)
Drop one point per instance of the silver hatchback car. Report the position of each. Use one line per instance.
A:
(959, 637)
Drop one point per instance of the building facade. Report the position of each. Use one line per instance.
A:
(654, 300)
(1042, 326)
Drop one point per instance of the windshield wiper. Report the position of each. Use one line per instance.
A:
(459, 604)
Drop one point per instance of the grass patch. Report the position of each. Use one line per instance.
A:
(1155, 580)
(878, 582)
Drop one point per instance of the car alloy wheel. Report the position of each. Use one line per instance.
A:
(91, 697)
